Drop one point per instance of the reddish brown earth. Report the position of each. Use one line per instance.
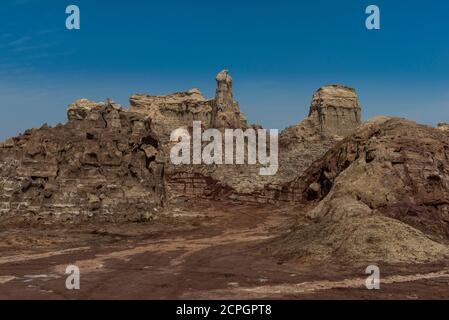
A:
(203, 252)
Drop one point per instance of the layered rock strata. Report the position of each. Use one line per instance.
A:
(107, 160)
(335, 110)
(103, 163)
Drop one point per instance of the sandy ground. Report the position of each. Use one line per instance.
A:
(215, 253)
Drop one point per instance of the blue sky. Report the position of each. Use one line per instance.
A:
(279, 53)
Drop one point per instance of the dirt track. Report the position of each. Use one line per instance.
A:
(216, 254)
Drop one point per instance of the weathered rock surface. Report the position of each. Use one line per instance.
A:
(225, 110)
(380, 194)
(103, 163)
(179, 110)
(111, 162)
(158, 116)
(335, 110)
(377, 192)
(443, 126)
(168, 113)
(299, 146)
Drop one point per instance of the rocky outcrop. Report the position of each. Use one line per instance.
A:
(224, 98)
(335, 110)
(372, 193)
(107, 158)
(334, 113)
(380, 194)
(225, 111)
(110, 141)
(168, 113)
(302, 144)
(113, 163)
(299, 146)
(443, 127)
(102, 164)
(179, 110)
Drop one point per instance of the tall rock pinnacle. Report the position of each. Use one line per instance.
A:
(226, 112)
(223, 96)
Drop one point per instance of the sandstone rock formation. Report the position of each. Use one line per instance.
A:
(224, 97)
(377, 192)
(103, 163)
(225, 111)
(380, 194)
(150, 121)
(335, 110)
(299, 146)
(443, 126)
(179, 110)
(334, 113)
(109, 162)
(173, 111)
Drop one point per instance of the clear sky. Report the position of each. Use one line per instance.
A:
(278, 52)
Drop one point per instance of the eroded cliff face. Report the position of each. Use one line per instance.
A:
(335, 110)
(168, 113)
(334, 113)
(102, 164)
(179, 110)
(112, 162)
(391, 166)
(368, 193)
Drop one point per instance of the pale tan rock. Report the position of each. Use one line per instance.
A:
(336, 110)
(360, 240)
(179, 110)
(81, 108)
(150, 151)
(225, 110)
(224, 98)
(443, 126)
(8, 143)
